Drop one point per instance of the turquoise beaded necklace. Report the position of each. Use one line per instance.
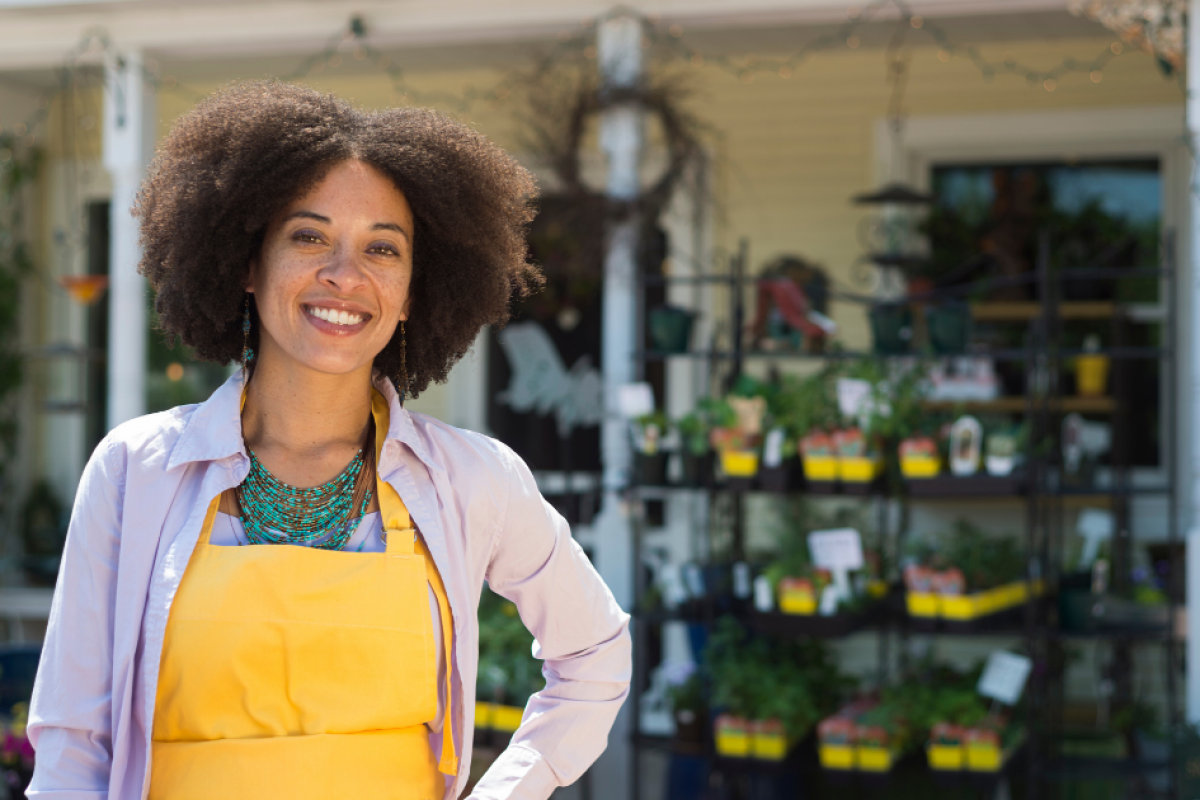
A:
(324, 517)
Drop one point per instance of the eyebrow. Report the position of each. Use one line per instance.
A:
(378, 226)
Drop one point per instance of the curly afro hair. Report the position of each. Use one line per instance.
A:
(234, 162)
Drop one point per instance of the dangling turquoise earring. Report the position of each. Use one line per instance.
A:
(247, 353)
(402, 381)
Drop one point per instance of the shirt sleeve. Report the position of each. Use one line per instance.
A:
(70, 716)
(581, 634)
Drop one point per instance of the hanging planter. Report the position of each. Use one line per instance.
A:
(670, 329)
(891, 328)
(949, 328)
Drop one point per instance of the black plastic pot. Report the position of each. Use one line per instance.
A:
(891, 328)
(698, 470)
(788, 476)
(949, 328)
(650, 470)
(670, 328)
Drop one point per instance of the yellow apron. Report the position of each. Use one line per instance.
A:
(303, 673)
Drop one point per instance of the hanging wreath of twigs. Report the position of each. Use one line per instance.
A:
(561, 104)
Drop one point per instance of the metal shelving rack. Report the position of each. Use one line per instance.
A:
(1044, 495)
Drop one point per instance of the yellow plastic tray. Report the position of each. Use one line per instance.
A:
(920, 466)
(820, 468)
(836, 756)
(739, 463)
(733, 745)
(506, 718)
(922, 604)
(945, 757)
(796, 603)
(769, 746)
(858, 470)
(873, 759)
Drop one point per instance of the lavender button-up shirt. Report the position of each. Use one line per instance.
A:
(137, 516)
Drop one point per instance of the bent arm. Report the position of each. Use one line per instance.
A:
(70, 717)
(581, 634)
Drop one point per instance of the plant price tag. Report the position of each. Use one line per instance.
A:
(1004, 677)
(854, 397)
(836, 550)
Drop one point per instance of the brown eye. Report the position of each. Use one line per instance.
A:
(307, 236)
(383, 248)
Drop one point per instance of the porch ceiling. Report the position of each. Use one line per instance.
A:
(256, 36)
(198, 43)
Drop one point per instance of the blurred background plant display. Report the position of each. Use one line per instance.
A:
(965, 573)
(650, 457)
(508, 672)
(768, 693)
(20, 166)
(796, 583)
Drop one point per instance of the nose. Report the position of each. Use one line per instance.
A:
(342, 272)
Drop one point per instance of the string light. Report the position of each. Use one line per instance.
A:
(852, 42)
(1096, 76)
(917, 21)
(676, 31)
(1050, 84)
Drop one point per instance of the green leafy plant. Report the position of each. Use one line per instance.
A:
(20, 165)
(693, 431)
(796, 682)
(508, 672)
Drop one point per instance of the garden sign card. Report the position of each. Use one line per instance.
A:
(836, 550)
(1004, 677)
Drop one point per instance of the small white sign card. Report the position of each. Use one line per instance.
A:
(854, 397)
(635, 400)
(839, 551)
(840, 548)
(1004, 677)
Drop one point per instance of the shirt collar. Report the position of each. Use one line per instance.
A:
(214, 430)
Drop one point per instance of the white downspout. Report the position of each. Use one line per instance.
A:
(129, 128)
(1190, 327)
(619, 46)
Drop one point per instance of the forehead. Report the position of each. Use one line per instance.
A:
(354, 188)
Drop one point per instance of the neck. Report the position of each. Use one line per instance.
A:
(305, 425)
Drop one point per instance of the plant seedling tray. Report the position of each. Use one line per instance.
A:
(777, 623)
(973, 486)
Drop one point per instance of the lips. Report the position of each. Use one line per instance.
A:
(335, 320)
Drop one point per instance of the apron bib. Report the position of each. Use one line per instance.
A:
(294, 672)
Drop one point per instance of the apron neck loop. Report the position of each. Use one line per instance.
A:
(397, 523)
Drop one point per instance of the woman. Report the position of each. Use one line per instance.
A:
(273, 593)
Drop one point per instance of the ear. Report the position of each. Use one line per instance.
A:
(248, 284)
(404, 309)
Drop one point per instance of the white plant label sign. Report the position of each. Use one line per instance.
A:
(1004, 677)
(839, 549)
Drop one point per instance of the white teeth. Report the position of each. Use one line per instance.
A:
(336, 317)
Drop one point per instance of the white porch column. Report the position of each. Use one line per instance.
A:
(129, 133)
(619, 45)
(1190, 328)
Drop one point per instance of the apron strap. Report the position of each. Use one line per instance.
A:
(210, 518)
(449, 763)
(402, 538)
(398, 530)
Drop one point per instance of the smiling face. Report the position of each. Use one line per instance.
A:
(332, 279)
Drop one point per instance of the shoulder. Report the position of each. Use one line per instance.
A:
(463, 452)
(146, 441)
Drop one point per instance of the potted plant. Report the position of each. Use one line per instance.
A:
(694, 432)
(919, 457)
(685, 694)
(737, 432)
(650, 460)
(508, 672)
